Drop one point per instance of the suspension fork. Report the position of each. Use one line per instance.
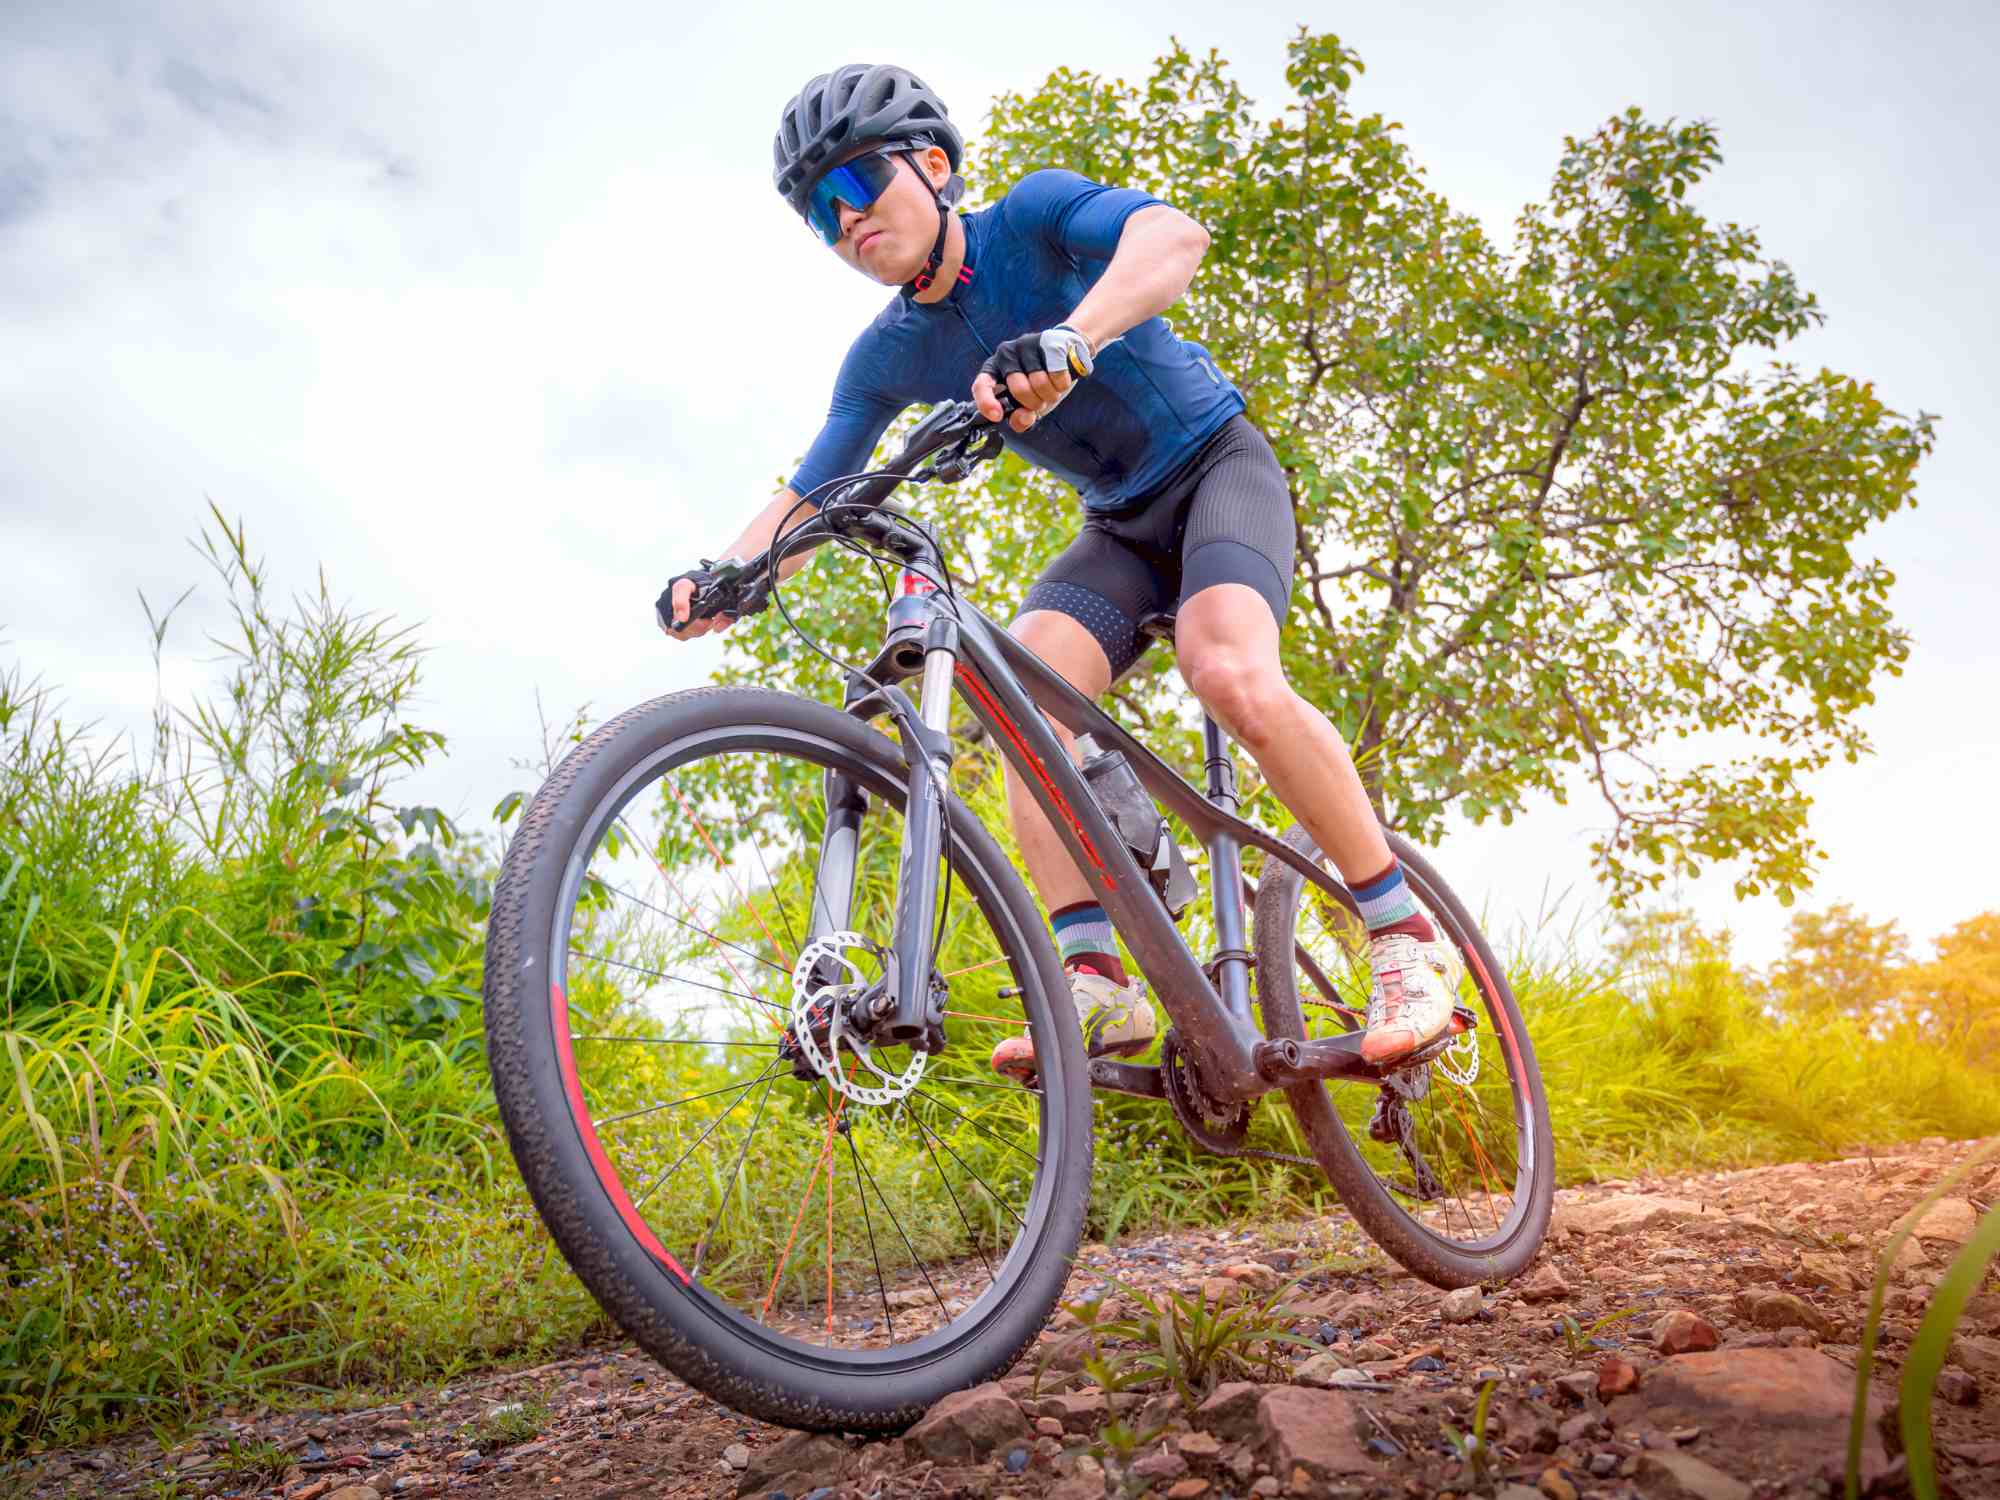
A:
(903, 1009)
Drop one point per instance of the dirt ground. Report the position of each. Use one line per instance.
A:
(1728, 1376)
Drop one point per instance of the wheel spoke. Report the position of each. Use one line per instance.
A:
(992, 1134)
(661, 911)
(729, 1188)
(770, 1071)
(868, 1223)
(619, 963)
(723, 865)
(728, 1088)
(929, 1133)
(671, 1041)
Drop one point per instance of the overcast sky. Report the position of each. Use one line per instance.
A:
(492, 311)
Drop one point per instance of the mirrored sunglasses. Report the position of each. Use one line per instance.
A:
(857, 183)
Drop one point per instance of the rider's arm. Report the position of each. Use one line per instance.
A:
(1153, 248)
(1158, 252)
(1150, 249)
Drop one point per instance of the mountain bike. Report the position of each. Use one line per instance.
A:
(748, 954)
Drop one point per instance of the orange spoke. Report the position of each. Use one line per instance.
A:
(974, 968)
(723, 866)
(966, 1015)
(798, 1218)
(1478, 1157)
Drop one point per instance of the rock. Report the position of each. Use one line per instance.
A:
(1253, 1274)
(736, 1456)
(1951, 1220)
(1578, 1385)
(1825, 1271)
(1957, 1387)
(1979, 1455)
(1083, 1411)
(1575, 1429)
(1910, 1260)
(356, 1492)
(1199, 1447)
(1220, 1291)
(1775, 1310)
(795, 1464)
(1266, 1487)
(1159, 1466)
(966, 1426)
(1556, 1485)
(1684, 1332)
(1628, 1213)
(1232, 1411)
(1604, 1465)
(1615, 1377)
(1673, 1475)
(1326, 1371)
(1788, 1406)
(1362, 1310)
(1048, 1427)
(1980, 1356)
(1188, 1489)
(1546, 1285)
(1309, 1430)
(1461, 1305)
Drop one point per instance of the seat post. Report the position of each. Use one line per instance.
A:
(1217, 763)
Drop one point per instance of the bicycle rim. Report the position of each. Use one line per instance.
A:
(867, 1215)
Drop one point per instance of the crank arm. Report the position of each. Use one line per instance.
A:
(1284, 1062)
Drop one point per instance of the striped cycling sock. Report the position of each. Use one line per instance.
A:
(1085, 936)
(1388, 905)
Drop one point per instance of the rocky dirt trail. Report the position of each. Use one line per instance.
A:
(1729, 1378)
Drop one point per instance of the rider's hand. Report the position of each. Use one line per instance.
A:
(1039, 369)
(675, 602)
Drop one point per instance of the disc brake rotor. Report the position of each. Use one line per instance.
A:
(820, 1026)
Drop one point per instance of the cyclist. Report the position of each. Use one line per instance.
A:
(1057, 290)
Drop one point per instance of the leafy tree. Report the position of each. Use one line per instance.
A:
(1957, 995)
(1558, 508)
(1839, 962)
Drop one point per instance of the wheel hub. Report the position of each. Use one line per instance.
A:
(821, 1025)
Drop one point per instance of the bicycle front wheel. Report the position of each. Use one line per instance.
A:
(1448, 1165)
(820, 1230)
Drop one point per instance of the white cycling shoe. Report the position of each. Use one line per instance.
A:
(1415, 991)
(1117, 1022)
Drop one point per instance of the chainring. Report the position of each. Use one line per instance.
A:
(1215, 1127)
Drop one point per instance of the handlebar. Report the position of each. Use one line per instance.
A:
(954, 437)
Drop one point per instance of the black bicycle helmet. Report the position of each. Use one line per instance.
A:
(857, 103)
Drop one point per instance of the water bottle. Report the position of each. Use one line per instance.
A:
(1139, 824)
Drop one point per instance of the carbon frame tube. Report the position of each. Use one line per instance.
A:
(1222, 1041)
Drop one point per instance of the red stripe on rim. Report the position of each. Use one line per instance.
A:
(580, 1112)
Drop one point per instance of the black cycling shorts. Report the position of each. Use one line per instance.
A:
(1226, 517)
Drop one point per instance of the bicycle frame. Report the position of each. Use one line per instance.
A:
(1009, 689)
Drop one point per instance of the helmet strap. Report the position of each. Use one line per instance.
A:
(921, 282)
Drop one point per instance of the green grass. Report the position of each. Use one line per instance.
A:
(249, 1152)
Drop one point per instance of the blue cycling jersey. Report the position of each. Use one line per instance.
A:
(1151, 403)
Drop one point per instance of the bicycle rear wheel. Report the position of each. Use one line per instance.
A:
(821, 1234)
(1448, 1165)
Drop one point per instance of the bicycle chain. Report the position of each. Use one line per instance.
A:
(1193, 1120)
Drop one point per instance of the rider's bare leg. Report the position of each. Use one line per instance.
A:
(1226, 642)
(1074, 653)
